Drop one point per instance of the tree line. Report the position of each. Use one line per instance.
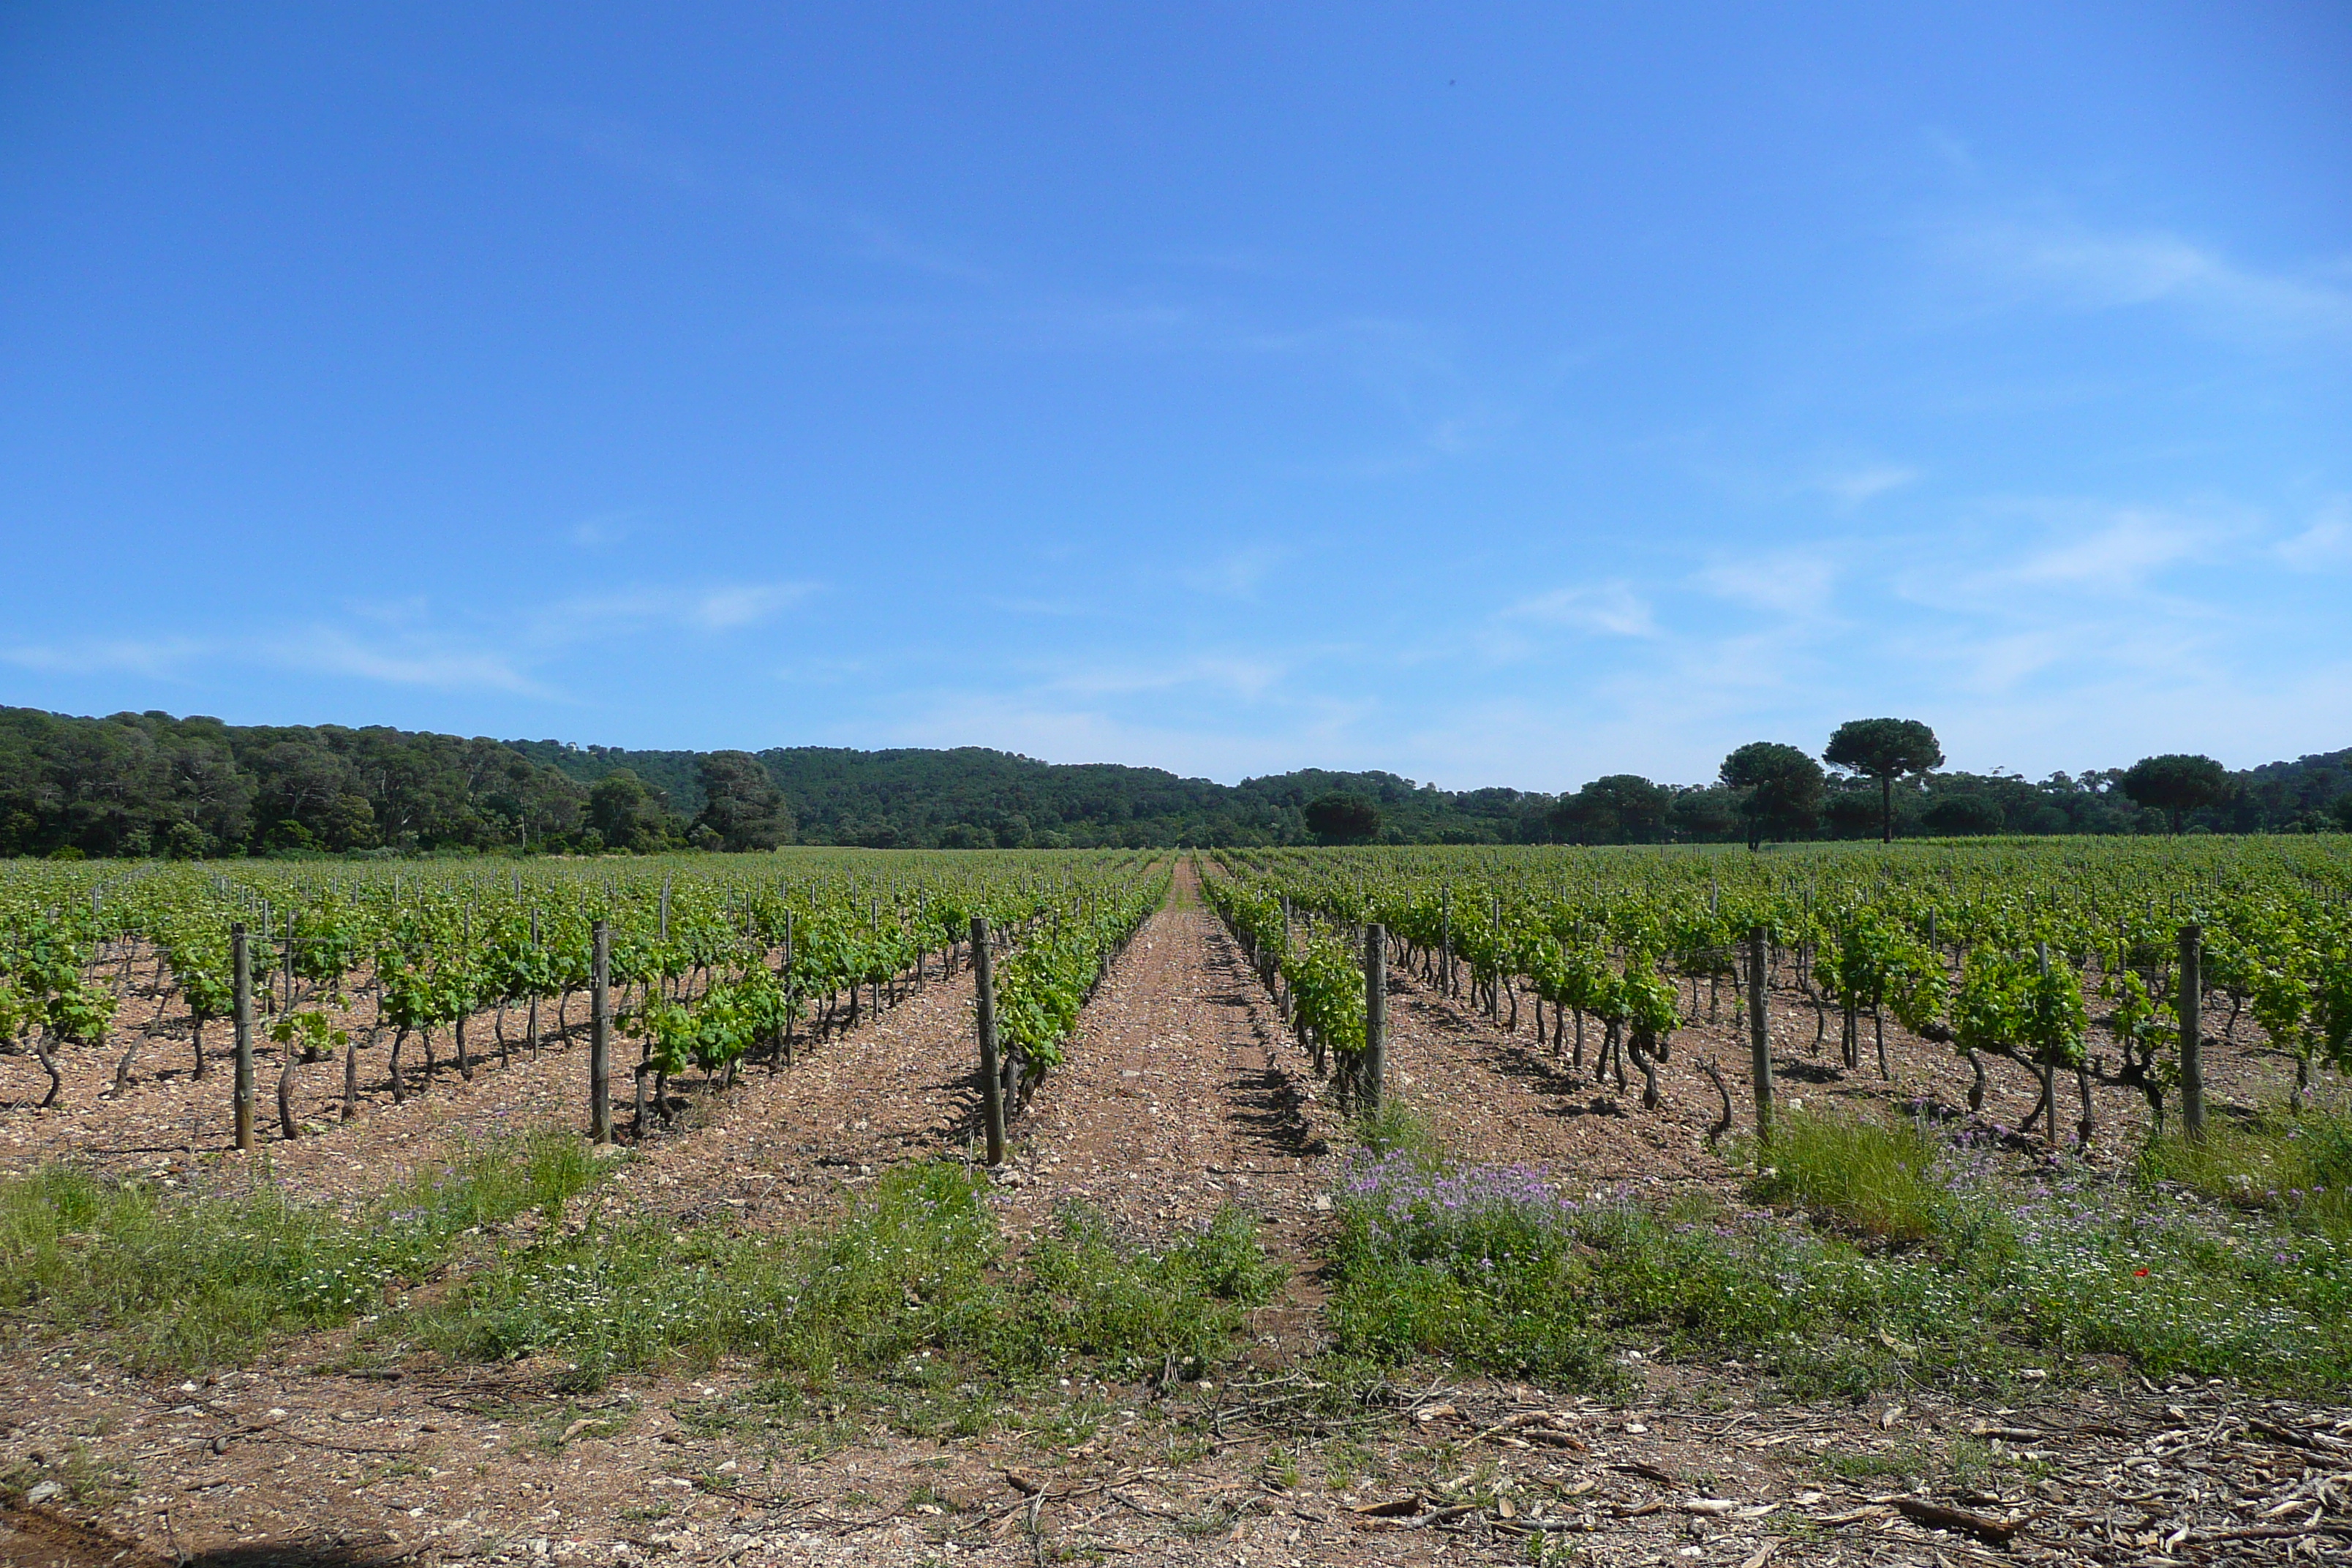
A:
(145, 784)
(1883, 780)
(152, 785)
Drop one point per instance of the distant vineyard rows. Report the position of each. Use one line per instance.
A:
(712, 957)
(2003, 951)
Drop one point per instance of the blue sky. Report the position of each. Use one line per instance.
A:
(1494, 395)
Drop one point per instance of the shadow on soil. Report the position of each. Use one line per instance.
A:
(35, 1538)
(288, 1554)
(1567, 1091)
(1269, 1105)
(1266, 1103)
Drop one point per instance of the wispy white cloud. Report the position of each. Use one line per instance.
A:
(161, 659)
(2002, 662)
(412, 660)
(2326, 544)
(822, 671)
(722, 608)
(413, 641)
(2097, 715)
(1797, 583)
(2063, 263)
(2034, 632)
(1240, 676)
(1670, 710)
(387, 642)
(2114, 630)
(1237, 574)
(601, 532)
(1852, 487)
(1441, 408)
(1609, 609)
(2117, 556)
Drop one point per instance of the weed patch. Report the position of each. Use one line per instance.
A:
(74, 1476)
(1929, 1260)
(187, 1283)
(908, 1290)
(1904, 1463)
(1870, 1179)
(2297, 1168)
(1396, 1128)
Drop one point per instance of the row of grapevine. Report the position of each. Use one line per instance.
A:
(2003, 952)
(711, 959)
(1041, 985)
(1312, 973)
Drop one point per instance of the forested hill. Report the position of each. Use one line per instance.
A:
(150, 784)
(974, 797)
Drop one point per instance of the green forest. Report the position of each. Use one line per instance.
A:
(150, 784)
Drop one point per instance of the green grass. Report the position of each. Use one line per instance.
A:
(911, 1290)
(1902, 1462)
(2295, 1167)
(1396, 1128)
(1867, 1178)
(1134, 1312)
(177, 1284)
(83, 1480)
(908, 1302)
(1882, 1254)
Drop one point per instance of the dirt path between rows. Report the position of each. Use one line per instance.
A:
(1184, 1093)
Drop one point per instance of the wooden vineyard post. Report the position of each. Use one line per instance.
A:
(241, 1095)
(1376, 1012)
(285, 1123)
(1494, 986)
(1759, 1036)
(1446, 941)
(351, 1071)
(992, 1088)
(1281, 982)
(465, 1062)
(790, 997)
(600, 1038)
(533, 1024)
(2192, 1036)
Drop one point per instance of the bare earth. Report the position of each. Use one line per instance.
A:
(1184, 1093)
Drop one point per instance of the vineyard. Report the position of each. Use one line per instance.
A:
(1474, 1184)
(1990, 955)
(158, 980)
